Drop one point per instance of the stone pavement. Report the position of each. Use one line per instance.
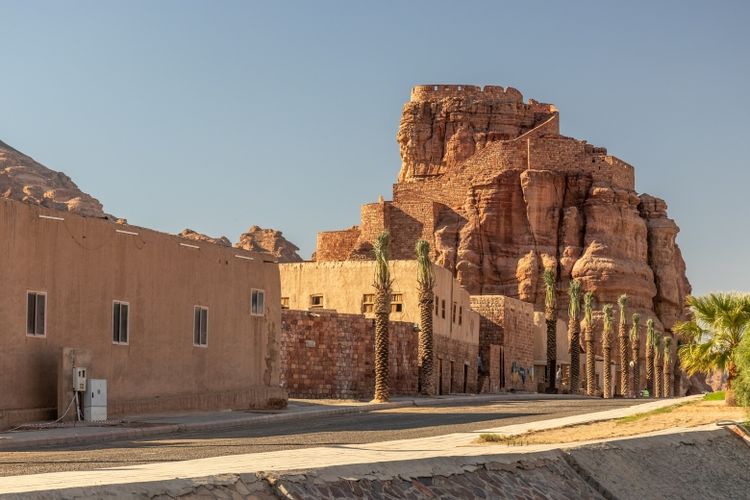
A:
(139, 426)
(372, 456)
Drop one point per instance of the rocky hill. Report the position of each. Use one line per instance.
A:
(489, 180)
(24, 179)
(257, 239)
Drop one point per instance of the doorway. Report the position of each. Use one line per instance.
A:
(466, 378)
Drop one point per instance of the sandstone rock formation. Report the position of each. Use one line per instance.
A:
(23, 179)
(489, 180)
(195, 236)
(271, 241)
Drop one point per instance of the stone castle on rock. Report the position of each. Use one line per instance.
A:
(501, 195)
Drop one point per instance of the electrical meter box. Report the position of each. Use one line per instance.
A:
(79, 379)
(95, 401)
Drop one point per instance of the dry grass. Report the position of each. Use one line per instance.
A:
(683, 415)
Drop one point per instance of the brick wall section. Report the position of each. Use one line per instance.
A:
(462, 355)
(330, 355)
(507, 323)
(336, 245)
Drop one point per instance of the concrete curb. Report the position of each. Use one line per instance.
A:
(251, 420)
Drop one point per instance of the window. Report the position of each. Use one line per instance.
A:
(397, 302)
(120, 322)
(285, 302)
(442, 309)
(200, 326)
(316, 301)
(453, 315)
(437, 306)
(36, 312)
(257, 303)
(368, 303)
(460, 315)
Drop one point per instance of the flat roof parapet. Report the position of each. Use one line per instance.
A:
(427, 92)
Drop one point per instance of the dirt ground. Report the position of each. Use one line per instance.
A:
(687, 415)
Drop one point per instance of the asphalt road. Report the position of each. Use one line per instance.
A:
(383, 425)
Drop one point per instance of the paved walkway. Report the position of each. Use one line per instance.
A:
(139, 426)
(309, 458)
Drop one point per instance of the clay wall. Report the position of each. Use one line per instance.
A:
(455, 366)
(343, 285)
(83, 265)
(325, 354)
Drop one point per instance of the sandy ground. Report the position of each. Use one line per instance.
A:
(688, 415)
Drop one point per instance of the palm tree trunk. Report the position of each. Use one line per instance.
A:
(426, 302)
(650, 368)
(636, 367)
(551, 351)
(382, 390)
(667, 383)
(575, 356)
(590, 362)
(607, 375)
(624, 362)
(657, 374)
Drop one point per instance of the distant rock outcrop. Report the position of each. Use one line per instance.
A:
(23, 179)
(196, 236)
(271, 241)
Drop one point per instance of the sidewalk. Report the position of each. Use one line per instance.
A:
(139, 426)
(452, 445)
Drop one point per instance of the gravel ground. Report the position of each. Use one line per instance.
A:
(384, 425)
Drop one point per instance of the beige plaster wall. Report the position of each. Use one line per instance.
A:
(84, 264)
(344, 283)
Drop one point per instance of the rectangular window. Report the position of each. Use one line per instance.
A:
(453, 315)
(368, 303)
(200, 326)
(36, 312)
(257, 302)
(397, 303)
(285, 302)
(316, 301)
(120, 322)
(442, 309)
(460, 315)
(437, 306)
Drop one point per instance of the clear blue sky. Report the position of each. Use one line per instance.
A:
(217, 115)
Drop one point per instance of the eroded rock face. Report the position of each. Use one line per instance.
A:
(501, 196)
(23, 179)
(196, 236)
(271, 241)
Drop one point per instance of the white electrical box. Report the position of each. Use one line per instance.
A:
(95, 401)
(79, 379)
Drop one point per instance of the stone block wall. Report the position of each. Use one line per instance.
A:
(506, 326)
(336, 245)
(330, 355)
(463, 358)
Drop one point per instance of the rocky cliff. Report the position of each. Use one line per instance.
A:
(257, 239)
(501, 194)
(23, 179)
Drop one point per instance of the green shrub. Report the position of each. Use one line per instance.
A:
(714, 396)
(741, 386)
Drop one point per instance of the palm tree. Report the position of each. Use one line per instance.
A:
(550, 318)
(588, 303)
(425, 284)
(623, 337)
(666, 385)
(658, 366)
(712, 337)
(574, 334)
(650, 342)
(607, 349)
(635, 345)
(382, 309)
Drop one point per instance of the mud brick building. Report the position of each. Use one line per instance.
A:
(171, 324)
(346, 287)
